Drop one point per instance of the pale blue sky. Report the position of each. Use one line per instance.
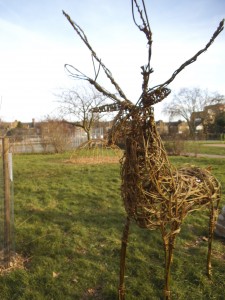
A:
(37, 40)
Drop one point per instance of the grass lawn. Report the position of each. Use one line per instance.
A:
(205, 147)
(68, 223)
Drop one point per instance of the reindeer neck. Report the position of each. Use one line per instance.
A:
(144, 137)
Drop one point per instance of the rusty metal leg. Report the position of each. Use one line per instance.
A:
(123, 258)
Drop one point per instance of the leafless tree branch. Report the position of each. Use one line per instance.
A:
(78, 104)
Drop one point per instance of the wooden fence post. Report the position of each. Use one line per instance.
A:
(7, 230)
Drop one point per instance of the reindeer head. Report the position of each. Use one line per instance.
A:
(149, 96)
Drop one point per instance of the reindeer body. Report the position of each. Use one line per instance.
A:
(156, 194)
(150, 182)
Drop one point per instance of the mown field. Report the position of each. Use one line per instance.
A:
(196, 147)
(206, 147)
(68, 224)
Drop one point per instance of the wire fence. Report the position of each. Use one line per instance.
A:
(35, 144)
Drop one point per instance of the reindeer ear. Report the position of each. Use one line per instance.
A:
(155, 96)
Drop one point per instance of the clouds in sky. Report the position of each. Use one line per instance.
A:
(37, 40)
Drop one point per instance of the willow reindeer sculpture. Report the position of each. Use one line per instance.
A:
(155, 193)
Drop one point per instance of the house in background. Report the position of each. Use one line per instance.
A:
(170, 129)
(204, 120)
(178, 128)
(207, 116)
(162, 128)
(211, 111)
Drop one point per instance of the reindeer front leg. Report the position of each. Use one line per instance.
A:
(168, 248)
(123, 258)
(169, 242)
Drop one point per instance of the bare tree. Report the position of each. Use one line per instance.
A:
(78, 104)
(187, 101)
(55, 134)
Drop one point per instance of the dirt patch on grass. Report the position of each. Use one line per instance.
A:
(16, 262)
(214, 145)
(92, 293)
(94, 160)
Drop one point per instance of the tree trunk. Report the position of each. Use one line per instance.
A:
(88, 135)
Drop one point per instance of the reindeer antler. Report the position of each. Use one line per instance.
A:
(193, 58)
(149, 96)
(80, 75)
(146, 70)
(157, 93)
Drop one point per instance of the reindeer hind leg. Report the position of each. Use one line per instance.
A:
(212, 221)
(168, 247)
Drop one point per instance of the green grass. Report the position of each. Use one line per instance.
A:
(203, 147)
(69, 220)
